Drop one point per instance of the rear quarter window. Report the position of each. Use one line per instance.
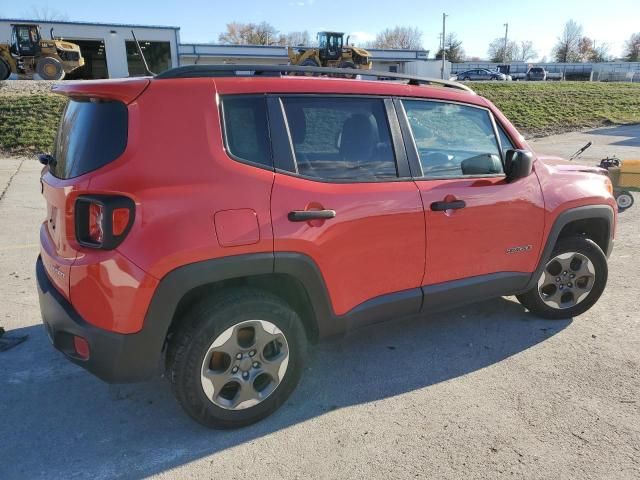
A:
(92, 133)
(246, 128)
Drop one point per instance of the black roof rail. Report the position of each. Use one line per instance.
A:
(195, 71)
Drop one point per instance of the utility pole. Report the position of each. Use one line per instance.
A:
(506, 37)
(444, 18)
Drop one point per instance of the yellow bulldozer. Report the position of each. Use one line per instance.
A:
(29, 53)
(332, 51)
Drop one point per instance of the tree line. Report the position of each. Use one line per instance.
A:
(571, 46)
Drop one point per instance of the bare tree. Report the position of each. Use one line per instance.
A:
(453, 49)
(46, 14)
(298, 38)
(567, 47)
(632, 48)
(600, 53)
(497, 51)
(406, 38)
(251, 34)
(525, 51)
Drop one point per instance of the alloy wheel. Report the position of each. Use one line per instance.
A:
(244, 364)
(567, 280)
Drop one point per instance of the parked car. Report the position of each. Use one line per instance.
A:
(481, 74)
(536, 73)
(291, 209)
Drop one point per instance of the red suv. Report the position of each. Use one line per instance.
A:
(211, 224)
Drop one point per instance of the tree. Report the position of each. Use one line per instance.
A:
(525, 51)
(453, 49)
(600, 53)
(251, 34)
(405, 38)
(46, 14)
(632, 48)
(497, 51)
(567, 48)
(298, 38)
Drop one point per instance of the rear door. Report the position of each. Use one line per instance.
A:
(477, 223)
(343, 197)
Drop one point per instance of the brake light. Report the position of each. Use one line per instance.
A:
(103, 221)
(96, 215)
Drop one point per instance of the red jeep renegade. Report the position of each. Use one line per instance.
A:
(211, 223)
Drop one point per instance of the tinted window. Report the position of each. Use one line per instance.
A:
(92, 133)
(340, 138)
(453, 140)
(247, 129)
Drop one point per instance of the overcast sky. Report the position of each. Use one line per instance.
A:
(475, 22)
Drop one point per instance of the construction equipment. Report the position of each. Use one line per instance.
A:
(29, 53)
(332, 51)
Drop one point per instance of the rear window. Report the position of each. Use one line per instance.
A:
(92, 133)
(246, 128)
(536, 70)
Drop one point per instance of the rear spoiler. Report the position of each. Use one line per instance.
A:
(125, 90)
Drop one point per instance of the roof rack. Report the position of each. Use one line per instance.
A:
(195, 71)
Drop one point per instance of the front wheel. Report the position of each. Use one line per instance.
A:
(236, 358)
(571, 281)
(49, 68)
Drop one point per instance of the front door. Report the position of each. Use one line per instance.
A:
(477, 223)
(346, 203)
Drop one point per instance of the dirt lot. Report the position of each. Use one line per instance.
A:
(482, 392)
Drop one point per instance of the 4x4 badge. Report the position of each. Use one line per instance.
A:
(519, 249)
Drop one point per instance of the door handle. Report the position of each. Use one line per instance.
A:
(454, 205)
(306, 215)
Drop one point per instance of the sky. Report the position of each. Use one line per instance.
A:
(476, 23)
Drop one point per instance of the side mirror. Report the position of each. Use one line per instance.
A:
(518, 164)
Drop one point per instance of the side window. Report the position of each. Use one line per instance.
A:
(453, 140)
(246, 128)
(505, 141)
(340, 138)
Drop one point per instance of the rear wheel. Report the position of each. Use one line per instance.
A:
(571, 281)
(236, 358)
(49, 68)
(624, 199)
(5, 71)
(309, 62)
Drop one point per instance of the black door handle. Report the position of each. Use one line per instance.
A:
(306, 215)
(441, 206)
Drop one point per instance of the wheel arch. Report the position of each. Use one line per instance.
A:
(596, 222)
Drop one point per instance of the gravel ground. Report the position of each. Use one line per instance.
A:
(26, 87)
(486, 391)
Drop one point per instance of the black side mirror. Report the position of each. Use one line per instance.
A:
(518, 164)
(46, 159)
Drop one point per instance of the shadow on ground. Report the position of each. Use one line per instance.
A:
(632, 132)
(61, 422)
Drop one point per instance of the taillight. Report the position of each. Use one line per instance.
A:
(103, 221)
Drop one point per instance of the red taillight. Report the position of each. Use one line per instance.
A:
(103, 221)
(81, 347)
(96, 216)
(120, 221)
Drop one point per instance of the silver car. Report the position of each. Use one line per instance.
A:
(481, 74)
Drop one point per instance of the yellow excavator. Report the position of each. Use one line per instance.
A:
(332, 51)
(29, 53)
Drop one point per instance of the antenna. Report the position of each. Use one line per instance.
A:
(144, 60)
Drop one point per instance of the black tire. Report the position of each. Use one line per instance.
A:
(348, 65)
(5, 71)
(49, 68)
(465, 79)
(309, 62)
(624, 199)
(202, 325)
(532, 299)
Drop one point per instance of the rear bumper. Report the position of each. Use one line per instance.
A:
(114, 357)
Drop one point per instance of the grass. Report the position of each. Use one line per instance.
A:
(28, 123)
(543, 108)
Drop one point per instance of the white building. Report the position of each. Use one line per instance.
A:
(108, 49)
(110, 52)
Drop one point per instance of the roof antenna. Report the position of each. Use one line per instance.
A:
(144, 60)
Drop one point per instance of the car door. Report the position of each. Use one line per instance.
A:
(343, 197)
(478, 224)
